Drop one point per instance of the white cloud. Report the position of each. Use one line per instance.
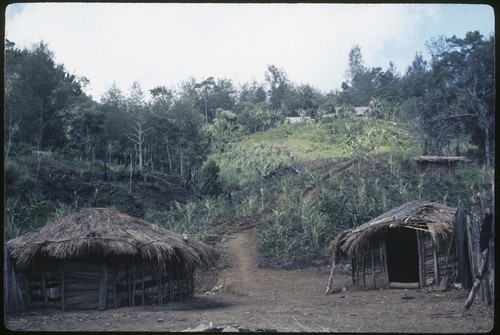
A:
(162, 44)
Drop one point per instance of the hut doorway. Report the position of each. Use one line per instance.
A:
(402, 255)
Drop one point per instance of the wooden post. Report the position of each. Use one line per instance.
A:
(383, 260)
(133, 283)
(363, 268)
(44, 287)
(373, 269)
(27, 285)
(128, 284)
(103, 288)
(171, 284)
(434, 256)
(190, 284)
(158, 287)
(357, 270)
(353, 265)
(63, 305)
(179, 288)
(113, 279)
(142, 284)
(421, 266)
(332, 271)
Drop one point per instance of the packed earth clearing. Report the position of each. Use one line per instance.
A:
(249, 298)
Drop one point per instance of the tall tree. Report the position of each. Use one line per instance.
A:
(117, 123)
(163, 128)
(415, 80)
(140, 121)
(204, 87)
(278, 84)
(187, 135)
(39, 95)
(464, 69)
(86, 128)
(356, 65)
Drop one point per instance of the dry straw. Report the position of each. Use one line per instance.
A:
(102, 233)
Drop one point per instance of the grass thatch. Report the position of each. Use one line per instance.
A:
(434, 218)
(102, 233)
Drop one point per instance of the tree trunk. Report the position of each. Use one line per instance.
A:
(487, 148)
(169, 156)
(182, 165)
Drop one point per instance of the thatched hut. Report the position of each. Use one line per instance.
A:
(99, 258)
(408, 247)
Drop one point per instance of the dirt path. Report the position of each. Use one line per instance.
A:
(284, 300)
(242, 277)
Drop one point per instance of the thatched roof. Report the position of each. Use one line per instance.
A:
(431, 217)
(102, 232)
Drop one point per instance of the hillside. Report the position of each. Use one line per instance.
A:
(299, 185)
(307, 182)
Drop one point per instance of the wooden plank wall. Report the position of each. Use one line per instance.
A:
(371, 272)
(76, 285)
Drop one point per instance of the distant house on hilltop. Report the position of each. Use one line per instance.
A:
(297, 119)
(359, 111)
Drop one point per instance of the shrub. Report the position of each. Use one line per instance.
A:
(211, 184)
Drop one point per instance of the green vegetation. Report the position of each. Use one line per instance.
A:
(227, 154)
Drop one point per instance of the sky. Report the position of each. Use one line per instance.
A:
(164, 44)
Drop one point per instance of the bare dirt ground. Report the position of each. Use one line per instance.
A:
(258, 299)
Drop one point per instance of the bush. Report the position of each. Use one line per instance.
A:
(211, 184)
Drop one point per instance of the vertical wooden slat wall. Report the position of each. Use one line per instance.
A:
(71, 285)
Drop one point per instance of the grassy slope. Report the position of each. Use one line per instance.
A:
(351, 171)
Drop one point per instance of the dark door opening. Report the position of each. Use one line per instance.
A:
(402, 255)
